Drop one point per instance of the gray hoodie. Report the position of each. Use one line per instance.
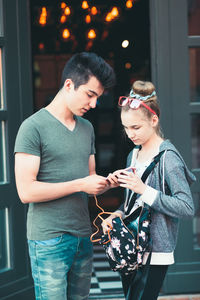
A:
(170, 203)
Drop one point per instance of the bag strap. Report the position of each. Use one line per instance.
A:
(143, 178)
(100, 216)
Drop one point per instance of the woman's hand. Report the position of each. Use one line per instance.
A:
(112, 179)
(107, 223)
(131, 181)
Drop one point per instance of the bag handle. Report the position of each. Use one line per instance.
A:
(144, 177)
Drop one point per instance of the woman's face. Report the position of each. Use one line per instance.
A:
(138, 127)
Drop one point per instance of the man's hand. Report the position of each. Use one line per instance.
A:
(93, 184)
(112, 179)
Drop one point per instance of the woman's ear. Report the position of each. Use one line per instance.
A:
(154, 120)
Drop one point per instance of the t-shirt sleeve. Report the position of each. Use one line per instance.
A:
(28, 139)
(93, 150)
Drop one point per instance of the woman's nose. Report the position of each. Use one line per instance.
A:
(130, 134)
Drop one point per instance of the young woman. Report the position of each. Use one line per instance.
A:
(167, 188)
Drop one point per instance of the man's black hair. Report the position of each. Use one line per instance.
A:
(81, 66)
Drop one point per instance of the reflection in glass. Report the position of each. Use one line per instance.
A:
(1, 83)
(4, 240)
(194, 56)
(194, 17)
(195, 134)
(196, 221)
(2, 154)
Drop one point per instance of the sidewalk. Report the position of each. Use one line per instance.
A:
(172, 297)
(180, 297)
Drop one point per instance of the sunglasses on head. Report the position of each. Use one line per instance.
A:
(133, 103)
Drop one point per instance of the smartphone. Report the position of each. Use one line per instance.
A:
(130, 169)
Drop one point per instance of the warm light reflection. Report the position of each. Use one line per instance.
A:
(85, 5)
(88, 19)
(65, 34)
(94, 10)
(91, 34)
(129, 4)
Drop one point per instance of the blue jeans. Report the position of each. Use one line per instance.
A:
(61, 267)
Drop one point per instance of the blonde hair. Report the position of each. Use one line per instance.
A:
(143, 89)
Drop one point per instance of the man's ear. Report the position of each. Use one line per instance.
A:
(68, 84)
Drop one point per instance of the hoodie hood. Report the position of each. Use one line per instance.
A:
(167, 145)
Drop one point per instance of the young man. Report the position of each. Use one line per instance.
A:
(55, 170)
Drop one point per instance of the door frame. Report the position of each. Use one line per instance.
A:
(170, 73)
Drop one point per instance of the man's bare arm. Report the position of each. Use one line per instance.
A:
(32, 190)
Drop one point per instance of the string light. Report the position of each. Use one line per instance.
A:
(43, 16)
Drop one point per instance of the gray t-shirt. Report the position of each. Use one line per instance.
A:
(64, 157)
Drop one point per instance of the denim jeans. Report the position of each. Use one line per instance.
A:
(61, 267)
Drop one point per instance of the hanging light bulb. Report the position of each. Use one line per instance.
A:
(109, 17)
(63, 19)
(67, 11)
(115, 12)
(87, 19)
(125, 43)
(129, 3)
(63, 5)
(91, 34)
(85, 5)
(94, 10)
(65, 33)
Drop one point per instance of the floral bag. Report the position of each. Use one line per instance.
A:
(128, 239)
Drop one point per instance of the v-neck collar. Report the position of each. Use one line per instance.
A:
(58, 121)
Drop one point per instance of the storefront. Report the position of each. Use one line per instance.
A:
(164, 46)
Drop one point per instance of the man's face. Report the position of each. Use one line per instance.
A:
(84, 98)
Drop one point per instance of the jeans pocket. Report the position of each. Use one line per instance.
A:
(51, 242)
